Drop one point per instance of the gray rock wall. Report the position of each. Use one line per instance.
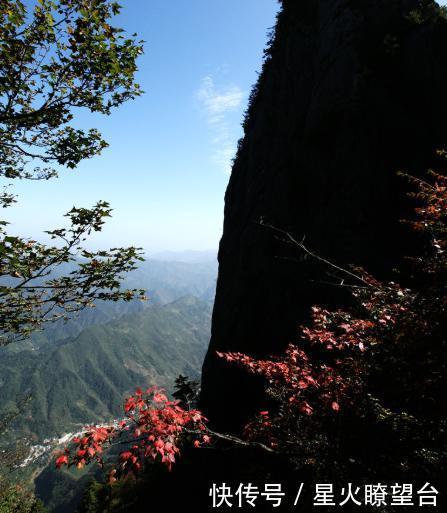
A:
(353, 91)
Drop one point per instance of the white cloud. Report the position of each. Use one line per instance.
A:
(218, 103)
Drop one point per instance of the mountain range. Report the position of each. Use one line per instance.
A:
(83, 379)
(78, 372)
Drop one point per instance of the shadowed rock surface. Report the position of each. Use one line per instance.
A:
(351, 92)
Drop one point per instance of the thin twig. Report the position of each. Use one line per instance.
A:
(291, 240)
(233, 439)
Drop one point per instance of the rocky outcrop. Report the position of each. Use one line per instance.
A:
(351, 92)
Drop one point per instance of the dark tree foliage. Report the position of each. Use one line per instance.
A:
(16, 499)
(56, 57)
(186, 391)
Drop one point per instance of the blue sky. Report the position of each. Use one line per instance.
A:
(167, 166)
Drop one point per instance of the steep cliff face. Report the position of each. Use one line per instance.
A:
(352, 91)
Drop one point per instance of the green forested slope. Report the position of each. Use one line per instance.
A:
(84, 379)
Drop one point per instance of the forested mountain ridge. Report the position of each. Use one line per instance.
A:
(84, 379)
(78, 372)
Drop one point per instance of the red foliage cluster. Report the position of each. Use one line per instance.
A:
(432, 218)
(309, 383)
(337, 330)
(155, 427)
(297, 377)
(88, 447)
(432, 215)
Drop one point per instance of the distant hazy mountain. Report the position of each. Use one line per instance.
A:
(164, 282)
(84, 379)
(188, 256)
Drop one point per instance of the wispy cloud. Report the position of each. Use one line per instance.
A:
(218, 104)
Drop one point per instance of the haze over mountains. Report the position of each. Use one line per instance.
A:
(189, 256)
